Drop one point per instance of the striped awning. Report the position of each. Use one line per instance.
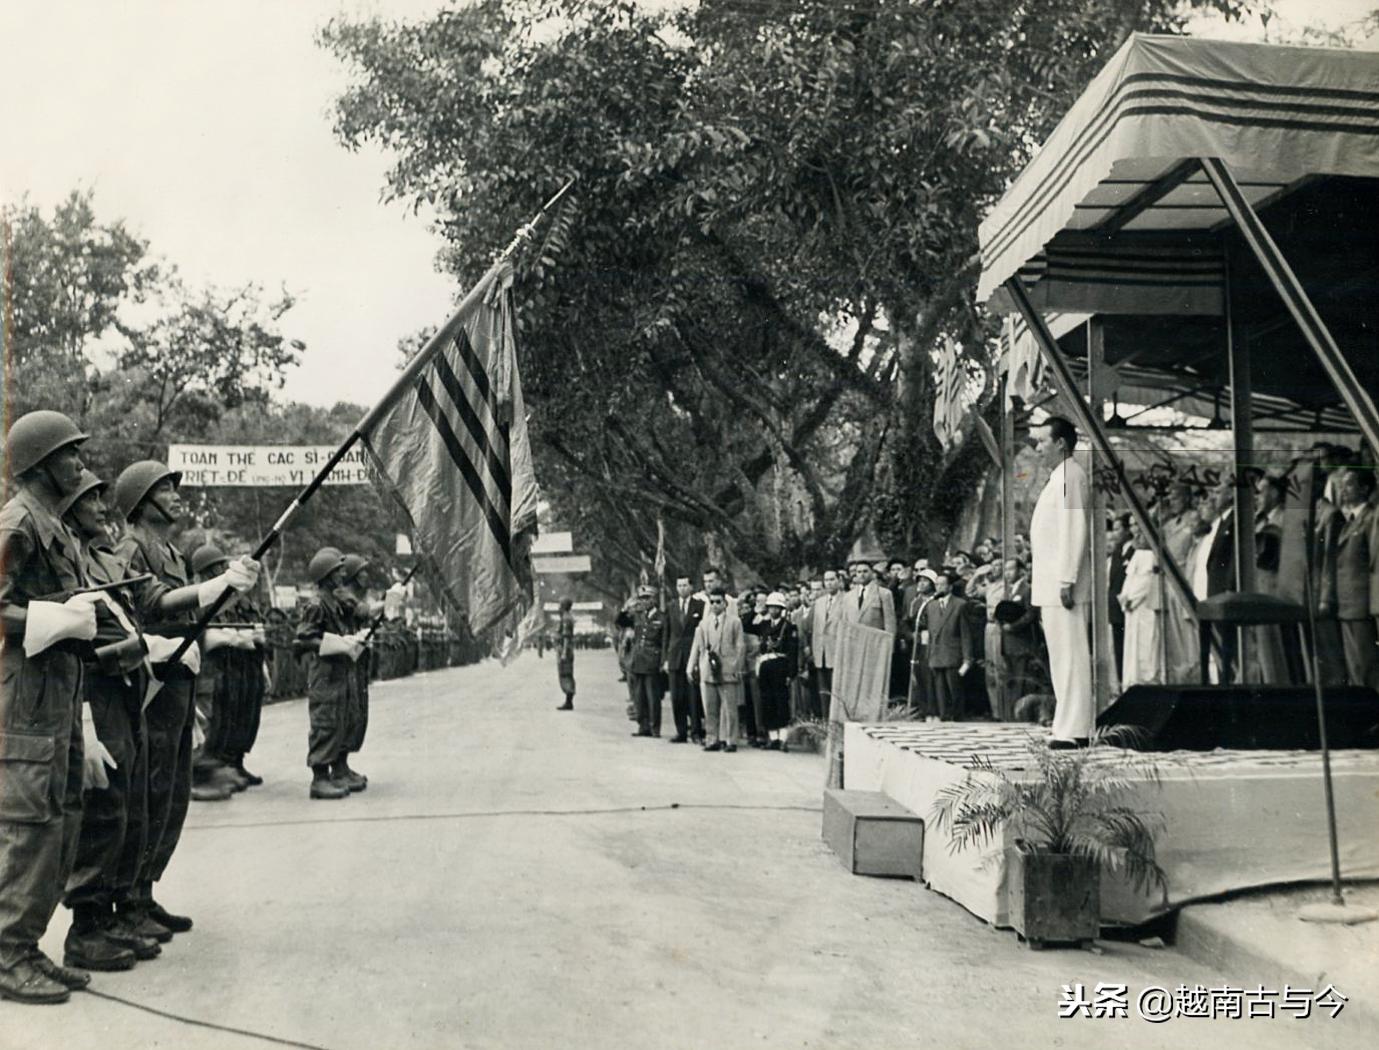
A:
(1113, 215)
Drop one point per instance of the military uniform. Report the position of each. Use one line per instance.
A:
(170, 715)
(644, 669)
(332, 681)
(40, 730)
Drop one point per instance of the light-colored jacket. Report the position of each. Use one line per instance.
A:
(828, 618)
(721, 634)
(877, 608)
(1059, 551)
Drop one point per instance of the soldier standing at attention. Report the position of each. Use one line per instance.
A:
(212, 780)
(41, 750)
(354, 592)
(565, 654)
(647, 662)
(147, 499)
(113, 808)
(325, 630)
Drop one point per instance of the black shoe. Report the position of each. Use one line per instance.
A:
(210, 792)
(678, 740)
(24, 982)
(93, 950)
(566, 706)
(642, 732)
(717, 745)
(729, 747)
(73, 980)
(1055, 744)
(120, 932)
(325, 787)
(165, 918)
(142, 924)
(253, 779)
(352, 780)
(774, 745)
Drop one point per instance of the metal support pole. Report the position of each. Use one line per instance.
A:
(1103, 654)
(1242, 433)
(1066, 382)
(1290, 290)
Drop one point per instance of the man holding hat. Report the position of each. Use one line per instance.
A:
(41, 753)
(147, 499)
(647, 662)
(326, 630)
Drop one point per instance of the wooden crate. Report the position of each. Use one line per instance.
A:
(873, 835)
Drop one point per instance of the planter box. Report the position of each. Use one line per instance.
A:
(873, 835)
(1053, 897)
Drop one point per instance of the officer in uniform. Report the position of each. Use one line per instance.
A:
(647, 661)
(114, 802)
(354, 595)
(147, 499)
(41, 753)
(326, 631)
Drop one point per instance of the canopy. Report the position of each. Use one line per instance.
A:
(1114, 215)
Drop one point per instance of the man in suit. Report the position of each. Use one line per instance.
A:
(1062, 580)
(682, 618)
(950, 646)
(828, 614)
(805, 686)
(1346, 587)
(869, 602)
(1213, 570)
(1018, 639)
(720, 633)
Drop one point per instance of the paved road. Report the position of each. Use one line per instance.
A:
(519, 877)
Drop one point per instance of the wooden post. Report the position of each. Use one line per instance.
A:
(1103, 656)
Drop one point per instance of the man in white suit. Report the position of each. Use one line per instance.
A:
(1061, 580)
(823, 638)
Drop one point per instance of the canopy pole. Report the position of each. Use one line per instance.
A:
(1067, 384)
(1242, 431)
(1290, 290)
(1104, 677)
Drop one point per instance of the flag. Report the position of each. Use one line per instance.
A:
(950, 378)
(453, 451)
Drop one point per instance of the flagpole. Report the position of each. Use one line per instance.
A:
(398, 389)
(378, 620)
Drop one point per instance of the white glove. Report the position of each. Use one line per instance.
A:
(47, 623)
(244, 638)
(259, 636)
(160, 650)
(95, 756)
(241, 576)
(192, 658)
(214, 638)
(341, 645)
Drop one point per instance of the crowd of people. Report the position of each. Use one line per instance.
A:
(116, 710)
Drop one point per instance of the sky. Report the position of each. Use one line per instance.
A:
(206, 127)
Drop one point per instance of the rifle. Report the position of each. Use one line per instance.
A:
(95, 588)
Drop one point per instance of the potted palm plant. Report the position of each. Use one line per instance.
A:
(1066, 818)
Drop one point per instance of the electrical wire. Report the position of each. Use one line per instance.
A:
(198, 1023)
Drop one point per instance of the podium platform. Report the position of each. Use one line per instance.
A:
(1233, 819)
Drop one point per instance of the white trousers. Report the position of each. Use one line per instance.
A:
(1070, 667)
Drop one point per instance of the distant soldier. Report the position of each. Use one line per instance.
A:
(565, 653)
(647, 661)
(355, 591)
(114, 806)
(40, 700)
(327, 631)
(147, 499)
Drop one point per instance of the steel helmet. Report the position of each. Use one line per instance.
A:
(324, 562)
(354, 565)
(206, 555)
(136, 481)
(35, 436)
(88, 482)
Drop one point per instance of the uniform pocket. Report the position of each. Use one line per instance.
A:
(26, 773)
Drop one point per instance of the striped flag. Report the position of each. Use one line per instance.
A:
(453, 451)
(950, 378)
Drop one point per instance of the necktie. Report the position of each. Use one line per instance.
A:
(861, 593)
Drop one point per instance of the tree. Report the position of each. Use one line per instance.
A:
(732, 324)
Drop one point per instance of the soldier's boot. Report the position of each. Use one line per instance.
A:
(73, 980)
(119, 930)
(344, 774)
(25, 982)
(322, 786)
(252, 779)
(139, 921)
(568, 705)
(88, 948)
(165, 918)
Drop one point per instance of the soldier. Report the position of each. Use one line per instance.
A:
(212, 780)
(354, 590)
(147, 499)
(114, 804)
(332, 681)
(647, 661)
(41, 751)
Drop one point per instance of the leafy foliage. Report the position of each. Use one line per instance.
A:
(1076, 801)
(730, 326)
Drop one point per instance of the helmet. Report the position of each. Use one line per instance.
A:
(324, 562)
(646, 591)
(776, 598)
(35, 436)
(88, 482)
(354, 565)
(206, 555)
(137, 480)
